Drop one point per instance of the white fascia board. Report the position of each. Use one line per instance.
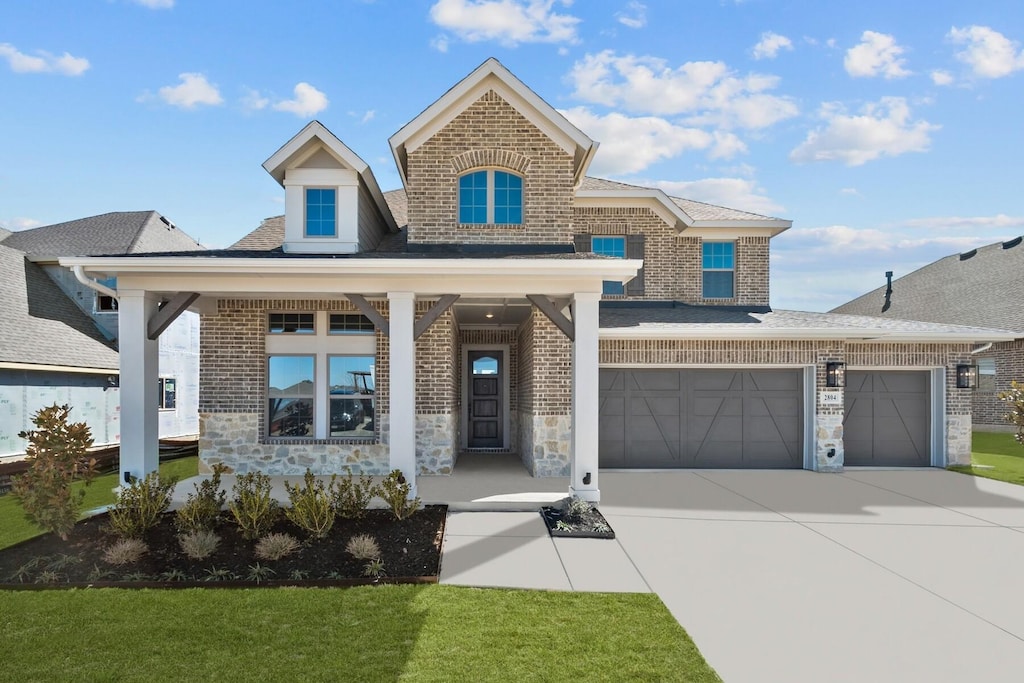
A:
(282, 158)
(865, 335)
(59, 368)
(489, 75)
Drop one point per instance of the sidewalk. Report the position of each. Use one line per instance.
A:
(514, 550)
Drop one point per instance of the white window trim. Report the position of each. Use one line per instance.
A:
(718, 270)
(490, 194)
(305, 225)
(321, 345)
(164, 409)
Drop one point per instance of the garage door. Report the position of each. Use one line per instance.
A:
(701, 418)
(888, 419)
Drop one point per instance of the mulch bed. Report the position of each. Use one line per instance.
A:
(410, 549)
(588, 525)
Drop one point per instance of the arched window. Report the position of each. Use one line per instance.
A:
(491, 197)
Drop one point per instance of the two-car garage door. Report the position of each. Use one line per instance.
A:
(735, 418)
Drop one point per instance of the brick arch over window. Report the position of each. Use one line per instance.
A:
(494, 158)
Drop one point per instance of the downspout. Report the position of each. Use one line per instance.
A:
(80, 275)
(981, 349)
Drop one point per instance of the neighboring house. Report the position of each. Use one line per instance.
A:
(979, 287)
(504, 302)
(59, 341)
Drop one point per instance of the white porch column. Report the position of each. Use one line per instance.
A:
(402, 392)
(140, 374)
(585, 404)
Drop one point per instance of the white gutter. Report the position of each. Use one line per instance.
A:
(59, 368)
(981, 349)
(79, 272)
(854, 335)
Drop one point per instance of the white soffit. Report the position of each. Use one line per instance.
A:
(491, 75)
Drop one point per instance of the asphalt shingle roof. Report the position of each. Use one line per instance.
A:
(119, 232)
(41, 324)
(699, 211)
(678, 315)
(981, 290)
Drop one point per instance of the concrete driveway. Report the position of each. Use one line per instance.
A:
(865, 576)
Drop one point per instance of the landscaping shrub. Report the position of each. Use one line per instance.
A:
(395, 492)
(140, 504)
(576, 508)
(311, 506)
(352, 496)
(1015, 398)
(363, 547)
(125, 551)
(57, 456)
(202, 508)
(252, 506)
(276, 546)
(198, 545)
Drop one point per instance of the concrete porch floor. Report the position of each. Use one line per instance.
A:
(481, 481)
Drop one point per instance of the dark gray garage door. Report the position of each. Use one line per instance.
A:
(888, 420)
(701, 418)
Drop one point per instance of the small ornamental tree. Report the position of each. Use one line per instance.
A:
(1015, 398)
(57, 456)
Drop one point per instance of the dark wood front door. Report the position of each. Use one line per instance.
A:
(485, 392)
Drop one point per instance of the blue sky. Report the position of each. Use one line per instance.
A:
(890, 135)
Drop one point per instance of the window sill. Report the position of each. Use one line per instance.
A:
(492, 226)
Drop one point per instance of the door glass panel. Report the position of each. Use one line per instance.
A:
(485, 366)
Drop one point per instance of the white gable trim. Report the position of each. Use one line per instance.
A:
(491, 75)
(671, 212)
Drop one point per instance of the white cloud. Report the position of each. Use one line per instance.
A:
(19, 223)
(368, 116)
(439, 42)
(734, 193)
(989, 53)
(940, 77)
(631, 144)
(43, 62)
(876, 55)
(636, 17)
(254, 101)
(509, 22)
(881, 129)
(770, 44)
(708, 91)
(308, 101)
(193, 90)
(850, 191)
(155, 4)
(1000, 220)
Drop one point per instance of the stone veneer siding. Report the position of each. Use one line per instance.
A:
(490, 133)
(988, 410)
(232, 396)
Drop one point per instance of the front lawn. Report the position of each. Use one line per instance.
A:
(999, 455)
(374, 633)
(14, 528)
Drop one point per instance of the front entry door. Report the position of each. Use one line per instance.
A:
(485, 391)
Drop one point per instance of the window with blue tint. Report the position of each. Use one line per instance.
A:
(321, 212)
(508, 198)
(614, 247)
(290, 394)
(719, 265)
(473, 197)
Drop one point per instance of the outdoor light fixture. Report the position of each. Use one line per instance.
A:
(966, 376)
(835, 373)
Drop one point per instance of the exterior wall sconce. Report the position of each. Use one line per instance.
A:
(835, 374)
(966, 376)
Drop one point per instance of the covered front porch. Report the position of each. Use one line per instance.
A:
(423, 386)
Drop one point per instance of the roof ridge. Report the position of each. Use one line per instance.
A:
(138, 232)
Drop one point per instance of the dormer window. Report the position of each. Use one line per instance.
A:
(489, 196)
(321, 212)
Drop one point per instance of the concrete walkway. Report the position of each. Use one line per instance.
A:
(793, 576)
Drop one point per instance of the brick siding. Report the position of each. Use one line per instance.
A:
(1009, 358)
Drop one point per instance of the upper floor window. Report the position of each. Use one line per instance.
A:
(719, 265)
(616, 248)
(321, 212)
(491, 197)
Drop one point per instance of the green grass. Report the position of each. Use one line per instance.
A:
(374, 633)
(14, 527)
(1001, 455)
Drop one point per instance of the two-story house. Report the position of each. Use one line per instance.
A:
(503, 301)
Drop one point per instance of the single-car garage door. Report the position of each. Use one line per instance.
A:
(888, 418)
(701, 418)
